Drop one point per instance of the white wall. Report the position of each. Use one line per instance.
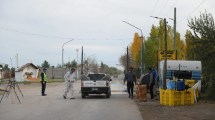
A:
(1, 74)
(31, 69)
(18, 76)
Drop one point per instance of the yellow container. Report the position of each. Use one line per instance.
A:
(176, 98)
(190, 83)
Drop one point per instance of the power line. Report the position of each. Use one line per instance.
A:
(163, 7)
(171, 8)
(192, 11)
(153, 9)
(57, 37)
(33, 34)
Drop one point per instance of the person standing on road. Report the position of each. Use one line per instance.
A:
(69, 80)
(130, 77)
(151, 83)
(43, 80)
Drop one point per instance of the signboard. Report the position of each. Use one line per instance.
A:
(171, 55)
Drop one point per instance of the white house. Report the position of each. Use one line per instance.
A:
(1, 70)
(1, 67)
(28, 70)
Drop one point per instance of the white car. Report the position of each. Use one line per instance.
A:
(95, 83)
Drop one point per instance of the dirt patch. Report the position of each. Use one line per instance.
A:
(152, 110)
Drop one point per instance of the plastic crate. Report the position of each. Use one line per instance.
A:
(176, 98)
(190, 83)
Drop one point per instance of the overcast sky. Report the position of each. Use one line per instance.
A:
(37, 29)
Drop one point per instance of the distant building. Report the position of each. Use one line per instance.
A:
(3, 72)
(27, 71)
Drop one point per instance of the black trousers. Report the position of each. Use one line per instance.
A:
(151, 86)
(130, 88)
(43, 88)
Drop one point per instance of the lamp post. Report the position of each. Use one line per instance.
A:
(142, 65)
(165, 51)
(77, 63)
(63, 50)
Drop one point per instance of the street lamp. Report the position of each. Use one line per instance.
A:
(141, 44)
(165, 51)
(63, 49)
(77, 63)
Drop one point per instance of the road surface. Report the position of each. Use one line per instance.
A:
(54, 107)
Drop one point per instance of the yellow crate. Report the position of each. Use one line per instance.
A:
(176, 98)
(190, 83)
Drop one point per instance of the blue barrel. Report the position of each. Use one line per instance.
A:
(171, 85)
(180, 85)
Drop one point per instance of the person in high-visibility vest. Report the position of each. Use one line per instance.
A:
(43, 81)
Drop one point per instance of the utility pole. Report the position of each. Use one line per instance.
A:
(11, 62)
(165, 51)
(17, 66)
(165, 55)
(82, 65)
(77, 64)
(127, 59)
(174, 46)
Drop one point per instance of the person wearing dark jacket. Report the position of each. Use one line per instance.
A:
(43, 80)
(130, 77)
(151, 83)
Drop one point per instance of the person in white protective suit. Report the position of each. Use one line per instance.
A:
(69, 80)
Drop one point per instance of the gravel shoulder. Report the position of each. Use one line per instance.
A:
(152, 110)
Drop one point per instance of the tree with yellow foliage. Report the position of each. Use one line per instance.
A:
(135, 50)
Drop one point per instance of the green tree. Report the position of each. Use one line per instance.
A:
(203, 40)
(113, 71)
(104, 68)
(45, 64)
(72, 64)
(189, 52)
(58, 65)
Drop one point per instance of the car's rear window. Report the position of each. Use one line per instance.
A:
(95, 76)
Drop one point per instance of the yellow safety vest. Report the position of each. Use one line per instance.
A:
(45, 77)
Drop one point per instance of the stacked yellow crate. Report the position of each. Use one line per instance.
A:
(190, 83)
(176, 98)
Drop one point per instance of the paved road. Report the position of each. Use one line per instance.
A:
(54, 107)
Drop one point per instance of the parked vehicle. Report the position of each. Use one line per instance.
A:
(95, 83)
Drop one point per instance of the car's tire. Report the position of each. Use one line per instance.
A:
(108, 95)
